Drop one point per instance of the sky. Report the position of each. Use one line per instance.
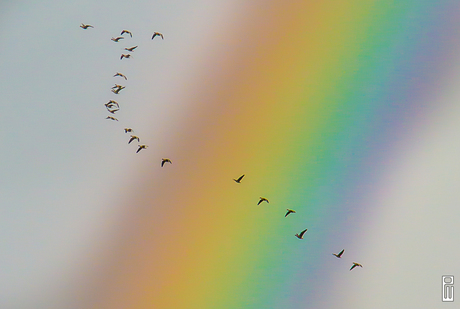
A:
(345, 111)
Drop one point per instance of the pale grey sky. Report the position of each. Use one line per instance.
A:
(61, 160)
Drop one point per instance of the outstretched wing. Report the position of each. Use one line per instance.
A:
(239, 179)
(303, 232)
(340, 253)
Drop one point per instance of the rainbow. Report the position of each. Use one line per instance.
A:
(311, 104)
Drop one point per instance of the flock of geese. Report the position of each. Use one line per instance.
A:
(113, 106)
(298, 235)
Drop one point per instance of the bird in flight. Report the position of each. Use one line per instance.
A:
(263, 199)
(121, 75)
(163, 161)
(131, 48)
(112, 118)
(300, 236)
(117, 88)
(289, 211)
(141, 147)
(128, 32)
(85, 26)
(111, 104)
(125, 56)
(355, 264)
(133, 137)
(159, 34)
(117, 39)
(128, 130)
(239, 179)
(340, 254)
(116, 91)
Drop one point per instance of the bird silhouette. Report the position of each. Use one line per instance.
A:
(116, 91)
(111, 105)
(133, 137)
(118, 86)
(300, 236)
(85, 26)
(163, 161)
(289, 211)
(113, 110)
(141, 147)
(239, 179)
(121, 75)
(127, 31)
(340, 254)
(262, 199)
(131, 48)
(112, 118)
(125, 56)
(157, 33)
(117, 39)
(128, 130)
(355, 264)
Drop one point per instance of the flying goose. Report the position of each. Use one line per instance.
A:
(131, 48)
(121, 75)
(110, 105)
(355, 264)
(157, 33)
(112, 118)
(128, 130)
(289, 211)
(263, 199)
(85, 26)
(300, 236)
(239, 179)
(113, 110)
(125, 56)
(118, 86)
(163, 161)
(128, 32)
(116, 91)
(133, 137)
(340, 254)
(117, 39)
(141, 147)
(112, 102)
